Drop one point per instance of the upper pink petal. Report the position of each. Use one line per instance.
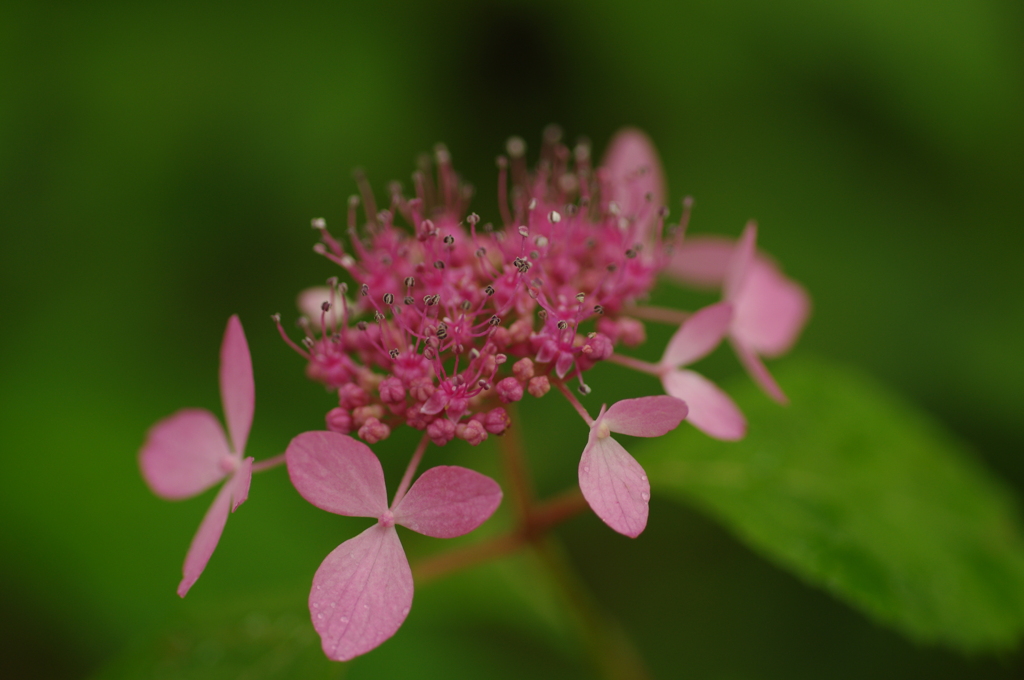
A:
(230, 496)
(712, 411)
(770, 310)
(635, 172)
(183, 454)
(237, 390)
(614, 485)
(742, 259)
(337, 473)
(361, 593)
(702, 261)
(757, 370)
(448, 501)
(644, 417)
(698, 335)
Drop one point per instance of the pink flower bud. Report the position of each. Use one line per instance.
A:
(363, 413)
(510, 389)
(352, 396)
(339, 420)
(373, 431)
(441, 431)
(473, 432)
(496, 421)
(391, 390)
(523, 369)
(539, 386)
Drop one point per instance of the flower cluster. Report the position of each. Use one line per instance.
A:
(441, 324)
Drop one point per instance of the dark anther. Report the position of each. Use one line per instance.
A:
(408, 300)
(449, 240)
(543, 314)
(438, 264)
(326, 306)
(409, 282)
(393, 353)
(631, 253)
(494, 320)
(562, 325)
(584, 389)
(389, 299)
(377, 316)
(480, 252)
(361, 325)
(464, 305)
(489, 290)
(364, 290)
(599, 309)
(612, 267)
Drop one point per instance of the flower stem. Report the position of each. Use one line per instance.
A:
(672, 317)
(268, 463)
(517, 470)
(635, 364)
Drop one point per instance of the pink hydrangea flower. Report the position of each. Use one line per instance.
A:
(769, 309)
(188, 452)
(363, 590)
(614, 484)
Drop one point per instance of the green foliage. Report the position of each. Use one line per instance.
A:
(862, 494)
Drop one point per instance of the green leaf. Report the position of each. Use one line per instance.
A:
(864, 495)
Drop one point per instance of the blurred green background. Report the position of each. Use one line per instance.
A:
(158, 171)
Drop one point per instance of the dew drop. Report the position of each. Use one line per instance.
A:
(405, 611)
(319, 616)
(366, 606)
(344, 619)
(643, 478)
(316, 605)
(586, 468)
(646, 496)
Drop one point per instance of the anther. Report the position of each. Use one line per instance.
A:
(562, 325)
(584, 389)
(612, 267)
(361, 325)
(489, 290)
(473, 218)
(580, 297)
(409, 282)
(535, 254)
(613, 208)
(481, 251)
(325, 306)
(465, 305)
(523, 230)
(542, 314)
(599, 309)
(474, 353)
(343, 287)
(318, 223)
(308, 342)
(515, 146)
(494, 320)
(631, 253)
(377, 316)
(438, 264)
(276, 318)
(393, 353)
(409, 300)
(364, 290)
(533, 204)
(554, 217)
(389, 299)
(449, 240)
(540, 241)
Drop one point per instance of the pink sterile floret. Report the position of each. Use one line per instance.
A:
(611, 480)
(710, 409)
(363, 590)
(769, 309)
(188, 452)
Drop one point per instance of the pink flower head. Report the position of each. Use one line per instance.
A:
(611, 480)
(442, 305)
(188, 452)
(710, 409)
(769, 309)
(363, 590)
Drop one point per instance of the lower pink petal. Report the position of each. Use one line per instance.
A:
(711, 410)
(742, 260)
(361, 593)
(337, 473)
(698, 335)
(757, 370)
(448, 501)
(614, 485)
(701, 261)
(184, 453)
(206, 538)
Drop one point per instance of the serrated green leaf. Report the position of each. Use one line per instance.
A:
(863, 494)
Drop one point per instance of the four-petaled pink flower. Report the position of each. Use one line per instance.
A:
(187, 453)
(362, 591)
(711, 410)
(611, 480)
(769, 309)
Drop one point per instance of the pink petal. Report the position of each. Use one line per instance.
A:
(698, 335)
(614, 485)
(771, 310)
(183, 454)
(337, 473)
(702, 261)
(448, 501)
(230, 496)
(361, 593)
(237, 391)
(644, 417)
(563, 364)
(742, 259)
(757, 370)
(712, 411)
(634, 170)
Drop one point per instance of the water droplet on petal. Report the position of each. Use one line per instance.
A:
(643, 478)
(405, 611)
(646, 496)
(586, 468)
(344, 619)
(366, 606)
(319, 616)
(315, 605)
